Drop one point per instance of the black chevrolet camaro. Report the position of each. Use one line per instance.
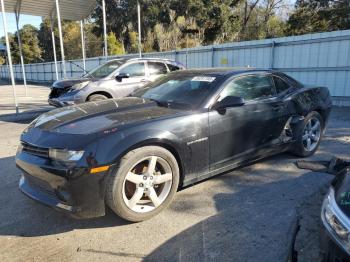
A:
(133, 154)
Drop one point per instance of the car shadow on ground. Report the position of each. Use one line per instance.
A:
(21, 216)
(257, 223)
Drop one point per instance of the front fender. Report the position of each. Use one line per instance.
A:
(113, 147)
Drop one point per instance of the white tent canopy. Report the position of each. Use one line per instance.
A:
(74, 10)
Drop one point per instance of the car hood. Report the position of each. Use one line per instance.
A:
(341, 186)
(69, 82)
(104, 115)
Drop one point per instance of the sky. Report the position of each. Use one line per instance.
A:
(24, 19)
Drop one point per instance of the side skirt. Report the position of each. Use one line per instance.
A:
(236, 164)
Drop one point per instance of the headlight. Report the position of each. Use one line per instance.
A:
(65, 155)
(80, 85)
(336, 222)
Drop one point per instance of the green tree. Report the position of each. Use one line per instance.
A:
(318, 16)
(115, 47)
(30, 45)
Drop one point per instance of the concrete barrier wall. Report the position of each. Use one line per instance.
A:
(321, 59)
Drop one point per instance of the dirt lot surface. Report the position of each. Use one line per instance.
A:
(35, 100)
(244, 215)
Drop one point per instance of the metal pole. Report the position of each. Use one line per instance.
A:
(272, 54)
(61, 38)
(104, 28)
(83, 43)
(139, 26)
(17, 14)
(9, 55)
(54, 46)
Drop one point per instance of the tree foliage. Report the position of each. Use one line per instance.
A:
(319, 16)
(176, 24)
(115, 47)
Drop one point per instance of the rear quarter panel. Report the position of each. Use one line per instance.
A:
(312, 98)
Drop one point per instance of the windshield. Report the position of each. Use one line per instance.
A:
(188, 90)
(105, 69)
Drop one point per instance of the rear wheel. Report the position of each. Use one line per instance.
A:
(97, 97)
(309, 133)
(144, 183)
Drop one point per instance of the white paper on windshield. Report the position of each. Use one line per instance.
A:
(203, 79)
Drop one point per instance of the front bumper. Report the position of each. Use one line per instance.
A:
(336, 228)
(71, 190)
(57, 103)
(330, 249)
(67, 99)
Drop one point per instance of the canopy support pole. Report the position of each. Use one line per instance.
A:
(83, 43)
(54, 44)
(17, 14)
(61, 38)
(9, 55)
(104, 29)
(139, 27)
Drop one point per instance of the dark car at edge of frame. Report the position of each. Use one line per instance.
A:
(133, 154)
(335, 214)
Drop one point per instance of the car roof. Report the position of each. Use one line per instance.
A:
(223, 71)
(139, 59)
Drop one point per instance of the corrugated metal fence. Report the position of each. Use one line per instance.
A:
(322, 59)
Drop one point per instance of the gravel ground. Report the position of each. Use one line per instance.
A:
(263, 195)
(307, 243)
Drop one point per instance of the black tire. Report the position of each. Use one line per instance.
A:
(96, 97)
(115, 182)
(298, 148)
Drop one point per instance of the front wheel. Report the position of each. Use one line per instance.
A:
(96, 97)
(144, 183)
(309, 133)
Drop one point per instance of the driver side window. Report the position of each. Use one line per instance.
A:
(135, 69)
(249, 87)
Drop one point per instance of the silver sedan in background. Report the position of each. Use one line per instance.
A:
(115, 79)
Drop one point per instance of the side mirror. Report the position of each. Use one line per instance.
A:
(229, 101)
(120, 76)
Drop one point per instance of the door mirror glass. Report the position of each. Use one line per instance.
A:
(229, 101)
(120, 76)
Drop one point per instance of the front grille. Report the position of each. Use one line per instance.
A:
(35, 150)
(56, 92)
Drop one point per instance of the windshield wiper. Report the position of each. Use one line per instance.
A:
(87, 72)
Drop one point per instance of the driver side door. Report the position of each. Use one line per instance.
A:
(240, 131)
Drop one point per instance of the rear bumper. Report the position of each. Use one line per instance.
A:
(72, 190)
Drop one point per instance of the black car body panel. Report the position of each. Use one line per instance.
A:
(204, 141)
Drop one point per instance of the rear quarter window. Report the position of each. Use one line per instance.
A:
(280, 84)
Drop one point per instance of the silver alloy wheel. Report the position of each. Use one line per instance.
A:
(147, 184)
(311, 134)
